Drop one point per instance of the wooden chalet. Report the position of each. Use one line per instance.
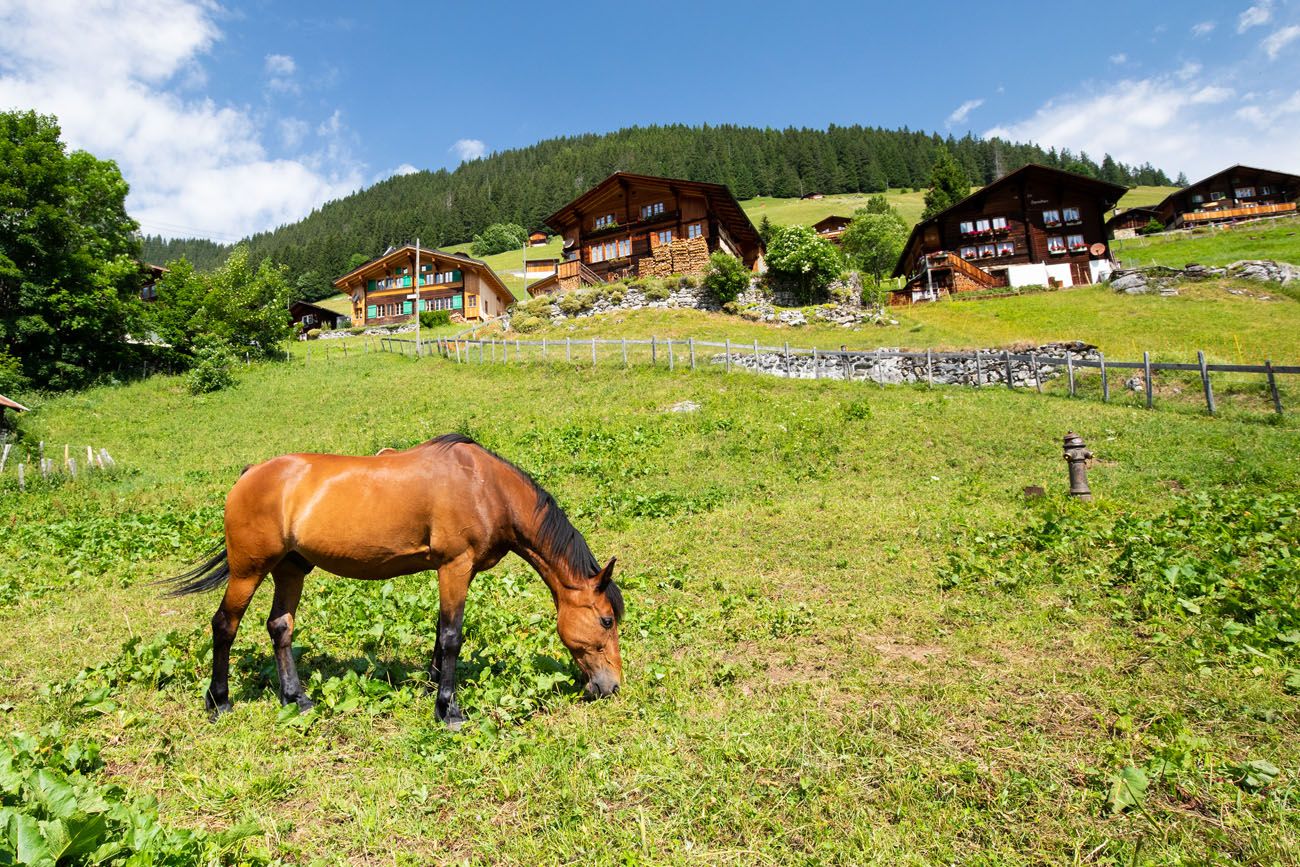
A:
(832, 228)
(1129, 223)
(310, 316)
(538, 268)
(812, 196)
(1236, 193)
(630, 225)
(381, 289)
(152, 274)
(1034, 226)
(537, 239)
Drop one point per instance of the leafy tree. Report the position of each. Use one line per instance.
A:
(949, 184)
(726, 276)
(498, 238)
(798, 257)
(356, 260)
(12, 380)
(1153, 226)
(69, 275)
(878, 205)
(873, 241)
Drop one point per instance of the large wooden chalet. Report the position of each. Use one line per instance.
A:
(381, 289)
(637, 225)
(832, 228)
(1035, 226)
(1236, 193)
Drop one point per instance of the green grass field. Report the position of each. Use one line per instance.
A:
(850, 639)
(1267, 239)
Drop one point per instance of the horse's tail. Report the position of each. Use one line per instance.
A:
(207, 574)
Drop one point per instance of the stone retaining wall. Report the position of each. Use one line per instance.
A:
(947, 371)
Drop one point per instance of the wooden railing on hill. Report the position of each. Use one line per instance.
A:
(831, 363)
(577, 268)
(1238, 213)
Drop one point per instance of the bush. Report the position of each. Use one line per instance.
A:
(614, 294)
(498, 238)
(573, 303)
(726, 277)
(434, 318)
(11, 375)
(1152, 226)
(656, 290)
(805, 262)
(357, 329)
(212, 370)
(313, 334)
(526, 323)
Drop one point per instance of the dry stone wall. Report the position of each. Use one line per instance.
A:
(991, 369)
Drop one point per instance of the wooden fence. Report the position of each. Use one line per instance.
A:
(44, 469)
(835, 364)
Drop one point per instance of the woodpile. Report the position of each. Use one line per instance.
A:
(682, 256)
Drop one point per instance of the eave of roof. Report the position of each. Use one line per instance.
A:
(12, 404)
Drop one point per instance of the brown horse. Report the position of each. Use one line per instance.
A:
(449, 505)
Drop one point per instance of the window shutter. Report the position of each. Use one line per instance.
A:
(457, 301)
(370, 285)
(372, 311)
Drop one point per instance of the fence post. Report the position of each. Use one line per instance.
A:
(929, 369)
(505, 351)
(817, 373)
(625, 352)
(1010, 382)
(670, 353)
(691, 342)
(844, 364)
(654, 350)
(543, 348)
(22, 477)
(4, 458)
(1069, 367)
(728, 355)
(755, 355)
(979, 371)
(593, 352)
(1272, 386)
(787, 359)
(1105, 383)
(1033, 363)
(568, 349)
(1205, 380)
(480, 350)
(1146, 375)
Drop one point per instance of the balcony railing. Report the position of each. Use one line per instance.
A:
(1238, 212)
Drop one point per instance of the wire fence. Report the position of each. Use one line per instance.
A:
(971, 368)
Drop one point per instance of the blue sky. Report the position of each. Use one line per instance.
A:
(234, 117)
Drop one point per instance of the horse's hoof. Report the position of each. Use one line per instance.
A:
(453, 725)
(217, 711)
(305, 704)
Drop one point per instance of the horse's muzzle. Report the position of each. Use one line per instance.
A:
(601, 685)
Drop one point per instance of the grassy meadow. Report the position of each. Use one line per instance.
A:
(850, 637)
(1266, 239)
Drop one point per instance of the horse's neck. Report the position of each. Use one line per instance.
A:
(528, 545)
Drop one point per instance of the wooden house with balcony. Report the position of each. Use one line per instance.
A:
(309, 316)
(635, 225)
(1236, 193)
(384, 290)
(1131, 222)
(832, 228)
(1034, 226)
(537, 239)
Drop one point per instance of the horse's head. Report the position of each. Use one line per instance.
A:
(588, 622)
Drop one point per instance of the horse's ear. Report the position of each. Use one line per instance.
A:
(606, 575)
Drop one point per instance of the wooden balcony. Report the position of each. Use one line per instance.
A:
(1238, 213)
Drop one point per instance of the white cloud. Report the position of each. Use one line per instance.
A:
(195, 167)
(1174, 123)
(1189, 70)
(1119, 59)
(468, 149)
(1205, 28)
(280, 64)
(1280, 39)
(1259, 14)
(293, 131)
(405, 169)
(961, 112)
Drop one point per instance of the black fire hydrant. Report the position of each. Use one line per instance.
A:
(1077, 456)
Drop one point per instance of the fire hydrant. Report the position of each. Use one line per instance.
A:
(1077, 456)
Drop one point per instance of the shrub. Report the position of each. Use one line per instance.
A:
(1152, 226)
(11, 374)
(726, 277)
(357, 329)
(614, 294)
(573, 303)
(498, 238)
(527, 323)
(434, 318)
(805, 262)
(313, 334)
(656, 290)
(212, 370)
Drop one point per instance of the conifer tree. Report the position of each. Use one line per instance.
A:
(949, 184)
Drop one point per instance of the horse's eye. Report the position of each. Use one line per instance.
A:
(607, 622)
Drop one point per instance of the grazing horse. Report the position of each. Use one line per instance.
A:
(448, 504)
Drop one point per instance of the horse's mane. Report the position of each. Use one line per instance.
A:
(555, 535)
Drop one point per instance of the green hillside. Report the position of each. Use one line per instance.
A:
(1277, 239)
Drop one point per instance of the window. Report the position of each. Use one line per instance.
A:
(1056, 245)
(666, 236)
(596, 254)
(648, 211)
(1197, 198)
(1051, 218)
(987, 251)
(424, 269)
(983, 226)
(1076, 243)
(446, 277)
(694, 230)
(1072, 215)
(1245, 192)
(1006, 248)
(607, 220)
(999, 224)
(1266, 190)
(473, 301)
(1218, 197)
(969, 252)
(967, 227)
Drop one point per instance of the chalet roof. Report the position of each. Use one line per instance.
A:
(12, 404)
(720, 199)
(1169, 199)
(833, 218)
(1112, 193)
(478, 266)
(310, 306)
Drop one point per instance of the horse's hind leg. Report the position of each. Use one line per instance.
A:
(288, 575)
(225, 623)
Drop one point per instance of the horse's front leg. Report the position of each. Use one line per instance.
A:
(453, 587)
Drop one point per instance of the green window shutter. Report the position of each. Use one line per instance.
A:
(456, 276)
(406, 308)
(372, 312)
(370, 285)
(406, 281)
(457, 302)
